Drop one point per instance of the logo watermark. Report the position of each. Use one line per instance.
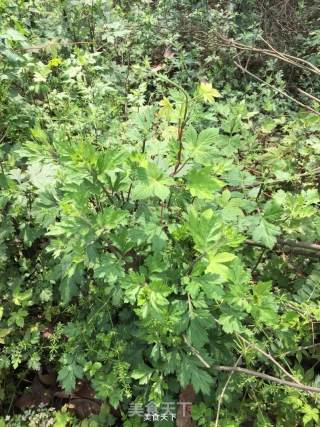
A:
(151, 412)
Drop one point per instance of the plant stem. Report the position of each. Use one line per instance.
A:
(223, 392)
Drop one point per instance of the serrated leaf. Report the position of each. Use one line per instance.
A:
(62, 419)
(202, 185)
(217, 261)
(68, 374)
(272, 211)
(200, 147)
(67, 378)
(109, 269)
(207, 137)
(207, 92)
(197, 334)
(142, 373)
(229, 323)
(266, 233)
(110, 218)
(264, 308)
(204, 228)
(211, 286)
(43, 175)
(166, 108)
(223, 257)
(201, 381)
(12, 34)
(152, 182)
(189, 372)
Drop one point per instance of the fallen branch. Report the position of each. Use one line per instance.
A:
(314, 98)
(295, 248)
(223, 392)
(290, 59)
(302, 348)
(282, 92)
(304, 245)
(54, 43)
(271, 358)
(251, 373)
(286, 56)
(265, 377)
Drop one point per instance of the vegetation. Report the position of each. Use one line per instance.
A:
(159, 205)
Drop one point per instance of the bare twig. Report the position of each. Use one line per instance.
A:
(290, 59)
(35, 48)
(283, 93)
(307, 347)
(292, 248)
(286, 56)
(271, 358)
(266, 377)
(250, 372)
(314, 98)
(223, 392)
(304, 245)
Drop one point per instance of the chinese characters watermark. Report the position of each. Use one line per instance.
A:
(151, 412)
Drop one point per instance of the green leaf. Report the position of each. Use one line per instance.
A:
(266, 233)
(211, 286)
(68, 289)
(264, 308)
(62, 418)
(18, 317)
(229, 324)
(272, 211)
(310, 414)
(217, 261)
(142, 373)
(207, 137)
(43, 175)
(230, 320)
(67, 376)
(3, 333)
(166, 108)
(109, 269)
(202, 185)
(200, 148)
(207, 92)
(110, 218)
(204, 228)
(12, 34)
(152, 182)
(201, 381)
(197, 333)
(223, 257)
(189, 372)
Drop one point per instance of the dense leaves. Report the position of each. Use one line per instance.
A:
(158, 215)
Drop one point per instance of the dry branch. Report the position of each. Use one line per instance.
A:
(250, 372)
(298, 248)
(282, 92)
(290, 59)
